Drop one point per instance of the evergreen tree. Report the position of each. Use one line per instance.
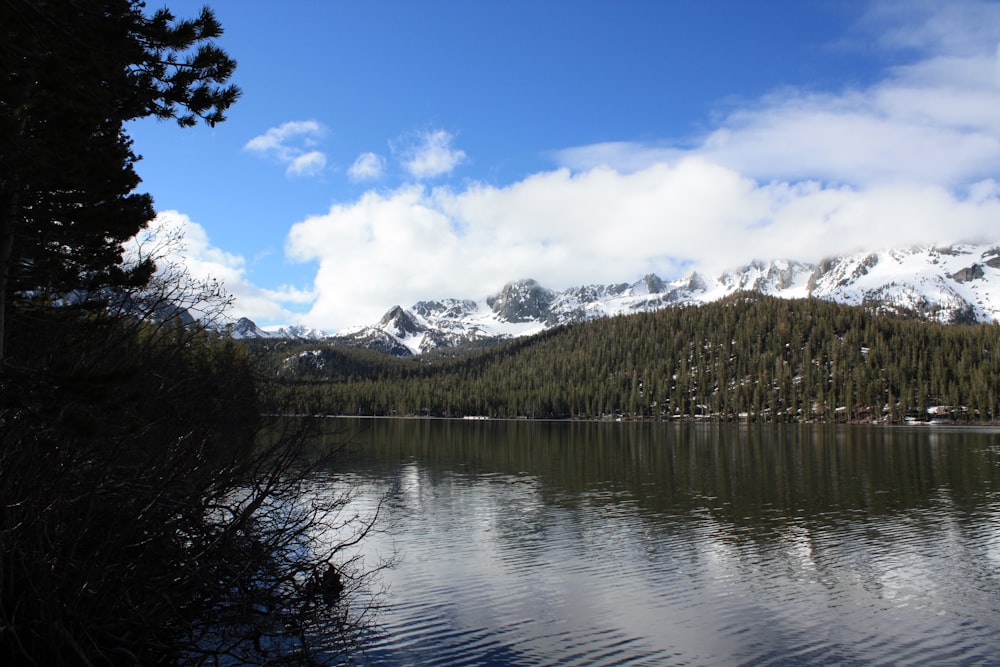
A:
(72, 73)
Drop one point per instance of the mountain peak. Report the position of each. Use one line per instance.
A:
(522, 301)
(246, 328)
(650, 284)
(400, 322)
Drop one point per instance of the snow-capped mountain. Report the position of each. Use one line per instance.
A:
(247, 328)
(953, 284)
(524, 307)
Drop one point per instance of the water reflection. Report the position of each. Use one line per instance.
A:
(581, 543)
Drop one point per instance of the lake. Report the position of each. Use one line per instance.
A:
(568, 543)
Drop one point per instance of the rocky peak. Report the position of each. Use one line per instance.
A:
(246, 328)
(522, 301)
(450, 309)
(400, 322)
(650, 284)
(696, 283)
(765, 277)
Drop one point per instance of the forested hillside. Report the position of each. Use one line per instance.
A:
(748, 357)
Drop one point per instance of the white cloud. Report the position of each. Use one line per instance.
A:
(292, 144)
(603, 225)
(275, 140)
(624, 156)
(431, 155)
(307, 164)
(203, 260)
(908, 129)
(368, 167)
(366, 246)
(934, 121)
(958, 27)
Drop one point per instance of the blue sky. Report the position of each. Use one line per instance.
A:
(387, 152)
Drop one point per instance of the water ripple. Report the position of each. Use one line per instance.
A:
(528, 568)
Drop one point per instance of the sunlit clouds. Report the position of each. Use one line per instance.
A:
(936, 122)
(601, 225)
(430, 154)
(202, 260)
(292, 144)
(368, 167)
(420, 155)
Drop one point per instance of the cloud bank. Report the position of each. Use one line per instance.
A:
(602, 225)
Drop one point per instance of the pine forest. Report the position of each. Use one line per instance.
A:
(748, 358)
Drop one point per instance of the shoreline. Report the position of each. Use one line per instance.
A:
(687, 420)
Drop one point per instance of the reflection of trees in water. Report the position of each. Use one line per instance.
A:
(711, 543)
(740, 474)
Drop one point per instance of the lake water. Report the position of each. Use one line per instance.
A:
(549, 543)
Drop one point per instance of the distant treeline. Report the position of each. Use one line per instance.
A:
(748, 357)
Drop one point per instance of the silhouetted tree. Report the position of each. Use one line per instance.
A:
(72, 73)
(148, 513)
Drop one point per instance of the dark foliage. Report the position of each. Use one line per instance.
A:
(149, 515)
(72, 73)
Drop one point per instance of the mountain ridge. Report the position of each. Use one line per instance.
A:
(958, 284)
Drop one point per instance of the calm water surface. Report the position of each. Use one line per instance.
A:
(534, 543)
